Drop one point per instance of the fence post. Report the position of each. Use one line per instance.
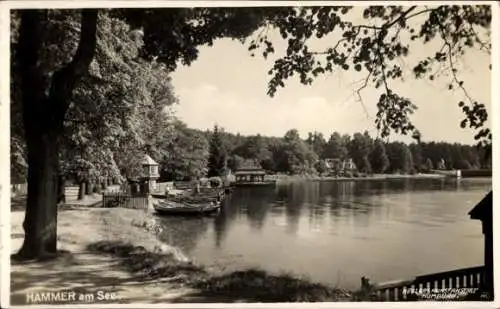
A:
(97, 188)
(81, 190)
(61, 188)
(88, 187)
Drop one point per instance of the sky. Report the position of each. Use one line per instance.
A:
(226, 86)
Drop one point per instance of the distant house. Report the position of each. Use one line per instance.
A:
(348, 165)
(441, 164)
(338, 166)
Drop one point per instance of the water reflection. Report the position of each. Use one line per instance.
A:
(372, 228)
(183, 232)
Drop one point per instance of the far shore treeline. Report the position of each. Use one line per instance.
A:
(294, 155)
(185, 153)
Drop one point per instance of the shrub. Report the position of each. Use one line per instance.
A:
(215, 182)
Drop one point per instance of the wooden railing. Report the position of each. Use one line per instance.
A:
(460, 280)
(161, 187)
(125, 200)
(18, 189)
(182, 185)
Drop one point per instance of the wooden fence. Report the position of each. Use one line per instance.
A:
(125, 200)
(404, 290)
(183, 185)
(161, 187)
(18, 189)
(71, 192)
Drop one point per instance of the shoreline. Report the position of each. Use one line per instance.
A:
(117, 250)
(375, 177)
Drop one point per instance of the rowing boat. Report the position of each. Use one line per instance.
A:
(167, 207)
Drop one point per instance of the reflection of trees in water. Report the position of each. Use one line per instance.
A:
(294, 196)
(356, 201)
(474, 183)
(229, 212)
(316, 216)
(344, 201)
(415, 185)
(257, 211)
(183, 232)
(255, 202)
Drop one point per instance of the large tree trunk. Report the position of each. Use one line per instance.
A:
(43, 116)
(40, 224)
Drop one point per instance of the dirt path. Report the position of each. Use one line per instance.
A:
(82, 271)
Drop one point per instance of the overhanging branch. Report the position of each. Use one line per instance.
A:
(65, 79)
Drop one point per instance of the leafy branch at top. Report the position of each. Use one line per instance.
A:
(377, 48)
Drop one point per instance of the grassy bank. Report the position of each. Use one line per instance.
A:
(117, 250)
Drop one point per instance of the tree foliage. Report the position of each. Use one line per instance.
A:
(217, 160)
(184, 153)
(294, 155)
(235, 162)
(360, 148)
(372, 41)
(255, 148)
(400, 158)
(115, 110)
(317, 142)
(378, 157)
(336, 147)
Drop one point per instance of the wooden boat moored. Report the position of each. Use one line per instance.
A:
(177, 208)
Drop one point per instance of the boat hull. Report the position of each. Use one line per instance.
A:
(173, 208)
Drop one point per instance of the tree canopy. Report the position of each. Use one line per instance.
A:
(114, 112)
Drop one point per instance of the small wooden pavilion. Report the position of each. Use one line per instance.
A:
(250, 174)
(149, 173)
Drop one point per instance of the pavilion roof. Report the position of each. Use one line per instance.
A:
(256, 171)
(147, 160)
(484, 209)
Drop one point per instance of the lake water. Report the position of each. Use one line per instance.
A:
(337, 232)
